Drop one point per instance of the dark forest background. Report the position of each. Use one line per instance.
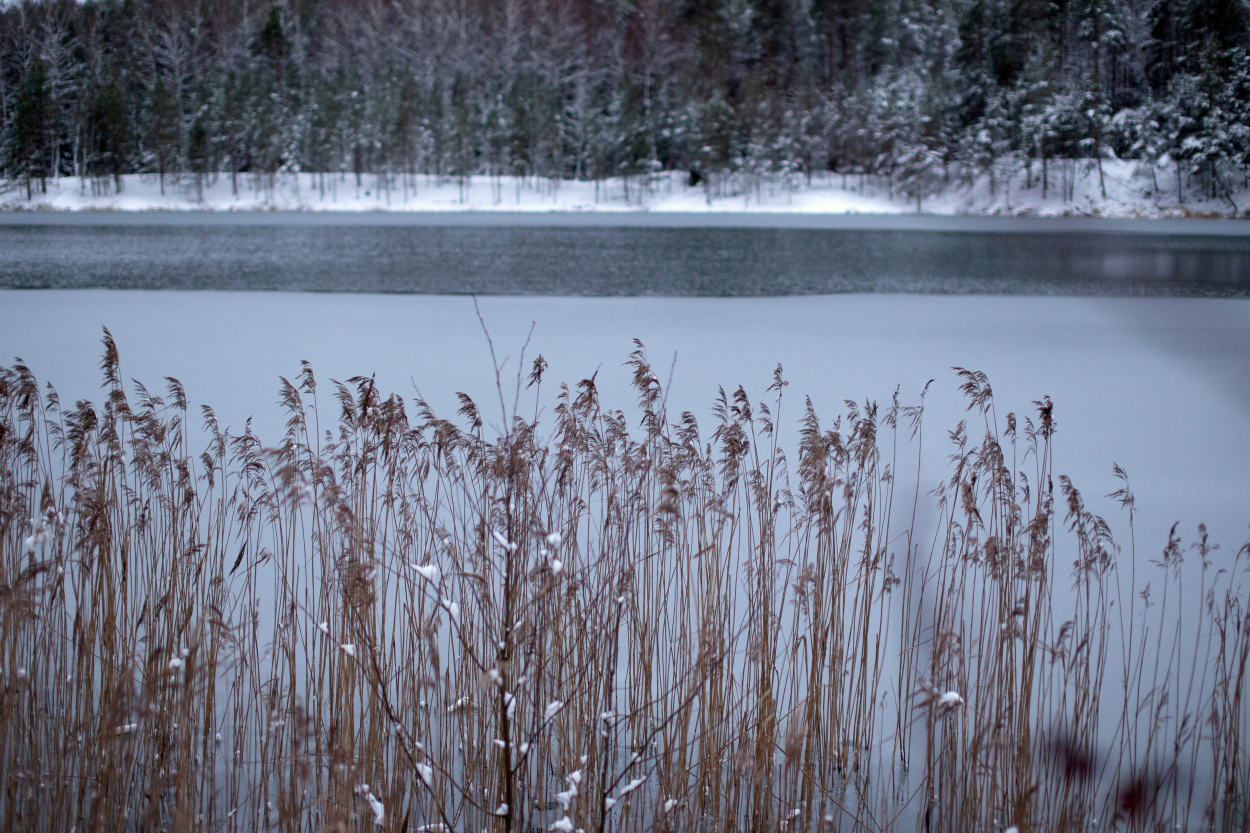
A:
(922, 92)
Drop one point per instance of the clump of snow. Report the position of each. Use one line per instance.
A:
(429, 572)
(379, 812)
(634, 784)
(40, 533)
(375, 805)
(565, 797)
(948, 702)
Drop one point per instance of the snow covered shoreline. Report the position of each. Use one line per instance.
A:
(1133, 190)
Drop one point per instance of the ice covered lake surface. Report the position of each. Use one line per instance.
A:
(624, 254)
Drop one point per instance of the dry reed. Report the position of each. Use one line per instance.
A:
(421, 624)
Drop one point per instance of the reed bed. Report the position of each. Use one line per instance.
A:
(582, 620)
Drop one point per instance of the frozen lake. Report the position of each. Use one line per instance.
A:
(604, 254)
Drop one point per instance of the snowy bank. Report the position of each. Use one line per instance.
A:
(1067, 188)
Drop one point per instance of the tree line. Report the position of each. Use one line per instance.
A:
(920, 92)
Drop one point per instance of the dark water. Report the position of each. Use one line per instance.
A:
(722, 255)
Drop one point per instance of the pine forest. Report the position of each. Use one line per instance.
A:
(921, 94)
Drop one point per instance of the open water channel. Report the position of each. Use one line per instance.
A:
(625, 254)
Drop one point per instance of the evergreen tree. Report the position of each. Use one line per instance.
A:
(107, 129)
(28, 148)
(164, 128)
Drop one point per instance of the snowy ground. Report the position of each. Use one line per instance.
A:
(1073, 189)
(1160, 386)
